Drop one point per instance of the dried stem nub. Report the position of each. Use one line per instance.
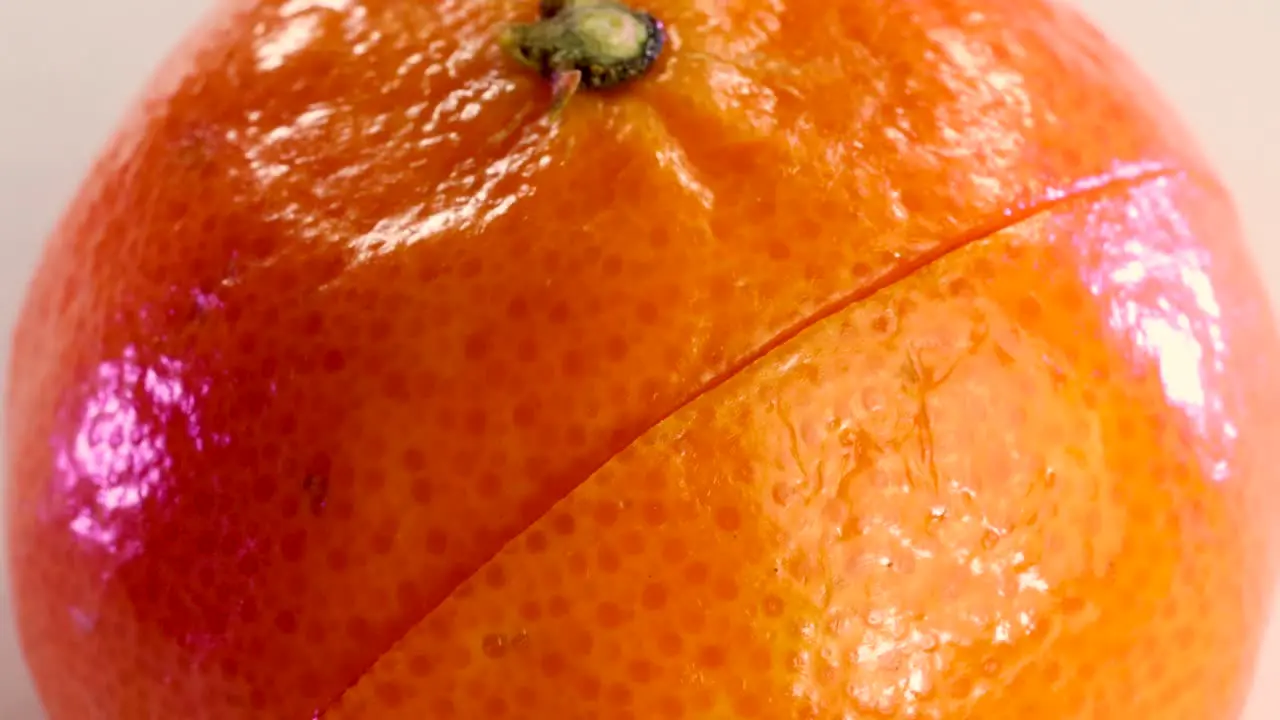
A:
(588, 44)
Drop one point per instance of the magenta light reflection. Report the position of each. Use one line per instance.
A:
(116, 456)
(1161, 296)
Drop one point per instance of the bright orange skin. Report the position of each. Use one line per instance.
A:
(869, 359)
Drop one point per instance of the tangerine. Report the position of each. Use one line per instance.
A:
(854, 359)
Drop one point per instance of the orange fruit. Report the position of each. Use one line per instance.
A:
(862, 359)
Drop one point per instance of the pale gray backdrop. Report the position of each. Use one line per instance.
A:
(68, 68)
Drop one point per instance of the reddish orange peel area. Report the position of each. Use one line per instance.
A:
(342, 322)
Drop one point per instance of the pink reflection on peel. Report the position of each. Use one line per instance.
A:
(1162, 298)
(116, 458)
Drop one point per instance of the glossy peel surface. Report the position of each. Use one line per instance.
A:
(340, 316)
(938, 503)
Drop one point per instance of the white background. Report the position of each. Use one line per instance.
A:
(68, 69)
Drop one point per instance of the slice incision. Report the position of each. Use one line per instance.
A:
(917, 507)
